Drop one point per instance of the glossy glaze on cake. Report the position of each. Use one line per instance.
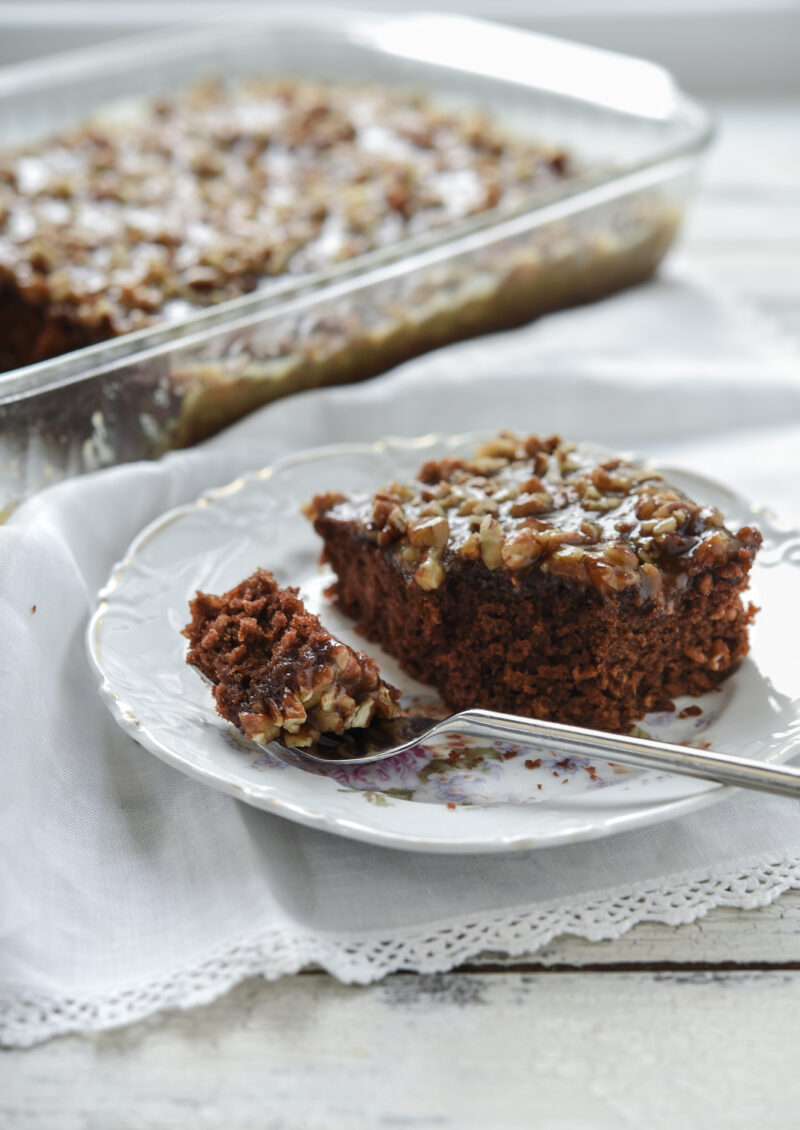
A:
(543, 579)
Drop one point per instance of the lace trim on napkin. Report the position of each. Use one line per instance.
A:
(26, 1019)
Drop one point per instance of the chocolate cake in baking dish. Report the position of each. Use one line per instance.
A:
(154, 210)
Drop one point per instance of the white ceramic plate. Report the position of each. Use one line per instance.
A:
(451, 797)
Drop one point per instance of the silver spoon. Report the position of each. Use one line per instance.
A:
(387, 739)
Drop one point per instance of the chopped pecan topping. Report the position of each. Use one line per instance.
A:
(530, 502)
(177, 203)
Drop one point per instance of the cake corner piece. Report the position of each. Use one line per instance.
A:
(540, 578)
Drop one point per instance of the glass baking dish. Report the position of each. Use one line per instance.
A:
(170, 385)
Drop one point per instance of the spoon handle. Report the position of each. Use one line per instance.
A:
(643, 752)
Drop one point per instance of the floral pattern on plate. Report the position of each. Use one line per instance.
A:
(455, 770)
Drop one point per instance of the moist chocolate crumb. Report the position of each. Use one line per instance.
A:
(277, 672)
(690, 712)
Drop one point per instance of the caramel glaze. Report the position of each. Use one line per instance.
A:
(172, 204)
(543, 504)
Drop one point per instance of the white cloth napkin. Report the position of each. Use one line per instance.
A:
(127, 887)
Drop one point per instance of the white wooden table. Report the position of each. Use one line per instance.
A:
(673, 1028)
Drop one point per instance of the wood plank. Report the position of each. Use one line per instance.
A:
(461, 1051)
(769, 936)
(757, 272)
(744, 225)
(757, 146)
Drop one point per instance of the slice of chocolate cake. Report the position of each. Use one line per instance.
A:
(277, 673)
(540, 579)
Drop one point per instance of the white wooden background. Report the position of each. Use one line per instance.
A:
(716, 48)
(664, 1029)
